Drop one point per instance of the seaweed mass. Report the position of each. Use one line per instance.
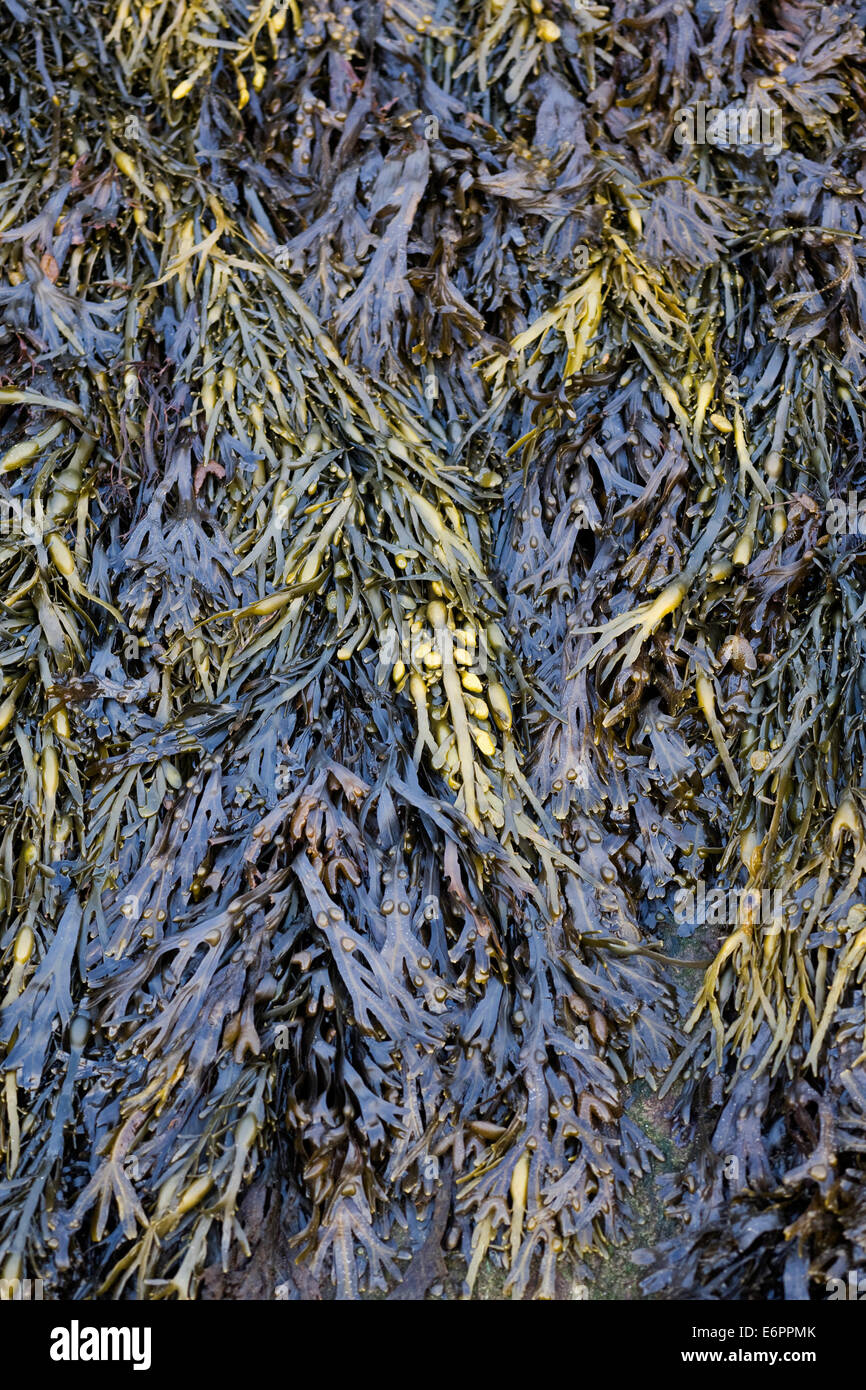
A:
(431, 455)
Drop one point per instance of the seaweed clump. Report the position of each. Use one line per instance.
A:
(416, 464)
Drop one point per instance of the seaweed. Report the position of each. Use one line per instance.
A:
(418, 467)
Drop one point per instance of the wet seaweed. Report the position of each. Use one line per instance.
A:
(416, 464)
